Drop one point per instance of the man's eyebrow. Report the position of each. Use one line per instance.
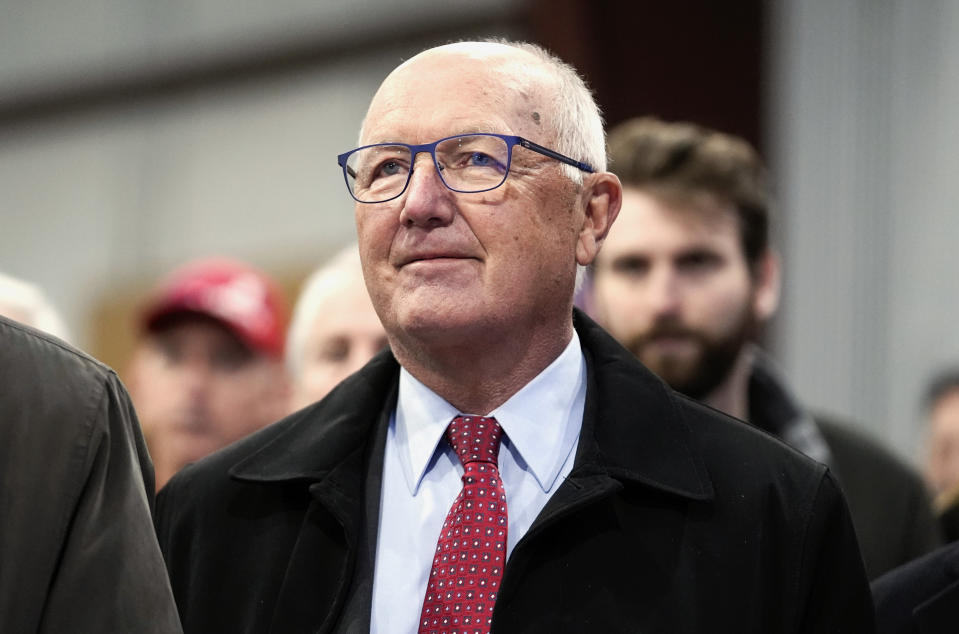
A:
(699, 249)
(622, 260)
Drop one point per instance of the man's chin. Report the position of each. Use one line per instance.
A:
(684, 383)
(436, 312)
(682, 375)
(679, 367)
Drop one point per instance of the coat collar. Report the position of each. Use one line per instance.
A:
(634, 427)
(315, 441)
(633, 430)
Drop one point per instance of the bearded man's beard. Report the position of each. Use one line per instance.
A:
(698, 374)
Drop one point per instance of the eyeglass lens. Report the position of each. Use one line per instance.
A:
(468, 163)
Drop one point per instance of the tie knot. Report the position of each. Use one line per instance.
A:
(475, 438)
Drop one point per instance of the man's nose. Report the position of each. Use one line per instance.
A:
(663, 292)
(195, 373)
(427, 201)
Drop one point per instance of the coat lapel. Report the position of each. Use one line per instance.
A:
(632, 430)
(632, 435)
(325, 450)
(311, 596)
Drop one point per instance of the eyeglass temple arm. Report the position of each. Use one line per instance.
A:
(545, 151)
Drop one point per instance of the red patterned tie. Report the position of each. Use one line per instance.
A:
(471, 550)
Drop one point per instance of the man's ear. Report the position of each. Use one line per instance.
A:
(603, 194)
(768, 285)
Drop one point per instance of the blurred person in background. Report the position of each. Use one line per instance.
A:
(941, 408)
(687, 279)
(334, 330)
(78, 552)
(207, 368)
(28, 304)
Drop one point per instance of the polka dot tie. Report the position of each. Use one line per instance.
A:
(471, 550)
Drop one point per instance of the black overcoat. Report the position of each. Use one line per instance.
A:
(675, 518)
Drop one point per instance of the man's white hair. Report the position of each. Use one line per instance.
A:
(575, 116)
(26, 303)
(339, 272)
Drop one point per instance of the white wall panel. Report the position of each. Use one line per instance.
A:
(56, 41)
(864, 122)
(94, 200)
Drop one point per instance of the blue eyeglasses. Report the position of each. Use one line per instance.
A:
(467, 163)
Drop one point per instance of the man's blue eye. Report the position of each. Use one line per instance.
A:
(481, 160)
(389, 168)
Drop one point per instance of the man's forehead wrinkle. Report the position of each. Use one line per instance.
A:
(515, 93)
(380, 132)
(534, 88)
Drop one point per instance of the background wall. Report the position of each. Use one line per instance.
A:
(135, 135)
(863, 128)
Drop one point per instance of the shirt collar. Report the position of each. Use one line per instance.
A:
(541, 421)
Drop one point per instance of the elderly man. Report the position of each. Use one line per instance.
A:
(506, 466)
(334, 330)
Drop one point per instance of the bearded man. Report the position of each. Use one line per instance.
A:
(686, 280)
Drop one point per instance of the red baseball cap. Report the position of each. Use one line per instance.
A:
(237, 295)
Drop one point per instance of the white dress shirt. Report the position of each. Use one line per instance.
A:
(421, 476)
